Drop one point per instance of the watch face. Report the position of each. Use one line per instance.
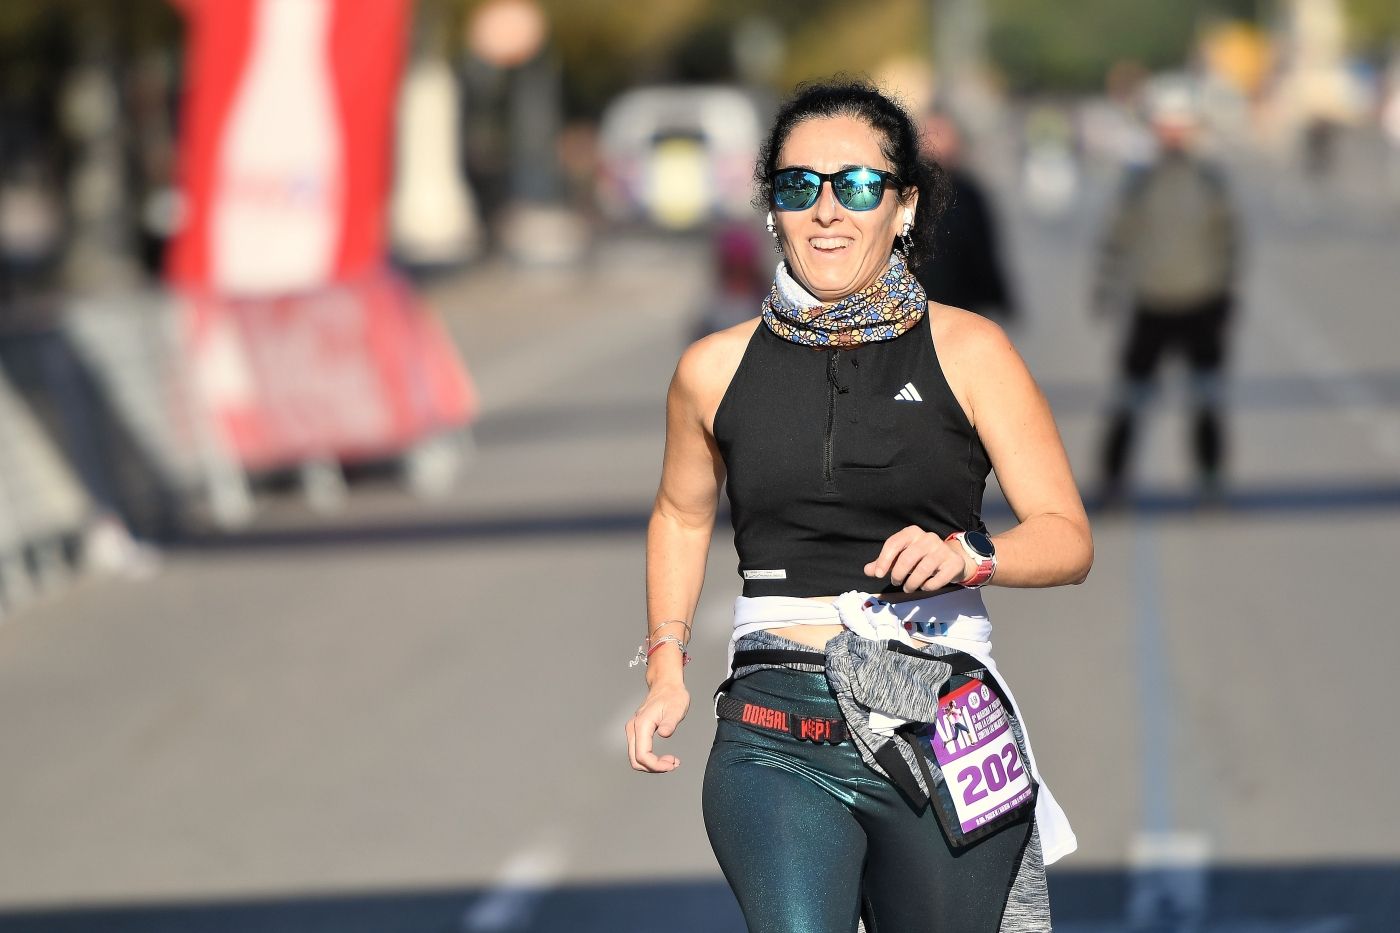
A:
(980, 543)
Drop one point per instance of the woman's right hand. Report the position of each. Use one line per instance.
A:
(660, 713)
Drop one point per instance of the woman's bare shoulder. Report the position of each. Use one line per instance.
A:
(963, 337)
(708, 364)
(976, 356)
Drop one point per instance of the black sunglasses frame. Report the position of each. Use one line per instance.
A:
(887, 179)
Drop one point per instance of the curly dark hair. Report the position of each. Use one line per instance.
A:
(854, 97)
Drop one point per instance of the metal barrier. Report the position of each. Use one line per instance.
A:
(42, 506)
(93, 421)
(128, 344)
(100, 417)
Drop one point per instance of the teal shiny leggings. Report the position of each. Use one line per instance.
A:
(811, 839)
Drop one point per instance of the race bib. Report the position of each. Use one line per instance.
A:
(976, 749)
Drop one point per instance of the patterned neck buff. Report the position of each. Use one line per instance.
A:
(880, 311)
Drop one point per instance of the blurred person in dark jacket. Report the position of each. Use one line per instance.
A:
(1171, 249)
(965, 269)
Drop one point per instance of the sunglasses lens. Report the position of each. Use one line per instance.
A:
(859, 189)
(795, 190)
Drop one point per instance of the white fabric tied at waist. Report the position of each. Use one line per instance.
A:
(956, 620)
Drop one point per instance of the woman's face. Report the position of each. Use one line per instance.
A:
(831, 250)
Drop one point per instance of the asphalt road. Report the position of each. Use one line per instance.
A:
(408, 716)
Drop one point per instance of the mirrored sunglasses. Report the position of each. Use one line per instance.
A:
(856, 189)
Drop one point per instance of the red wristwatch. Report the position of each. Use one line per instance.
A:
(979, 547)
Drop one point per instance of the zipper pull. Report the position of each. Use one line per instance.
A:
(832, 363)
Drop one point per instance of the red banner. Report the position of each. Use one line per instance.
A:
(285, 143)
(302, 344)
(358, 370)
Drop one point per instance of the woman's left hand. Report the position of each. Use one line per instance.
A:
(916, 559)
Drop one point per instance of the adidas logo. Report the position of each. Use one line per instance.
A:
(908, 394)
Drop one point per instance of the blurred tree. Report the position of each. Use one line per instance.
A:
(147, 22)
(851, 37)
(1070, 44)
(606, 46)
(1375, 24)
(66, 66)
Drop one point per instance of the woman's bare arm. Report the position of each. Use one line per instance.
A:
(678, 535)
(1052, 544)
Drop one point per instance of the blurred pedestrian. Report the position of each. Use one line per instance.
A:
(966, 269)
(853, 424)
(740, 278)
(1050, 171)
(1319, 139)
(1172, 245)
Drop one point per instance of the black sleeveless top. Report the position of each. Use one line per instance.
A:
(829, 452)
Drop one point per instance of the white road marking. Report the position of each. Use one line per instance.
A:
(521, 884)
(1168, 887)
(1168, 879)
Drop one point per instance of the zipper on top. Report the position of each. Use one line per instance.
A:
(835, 388)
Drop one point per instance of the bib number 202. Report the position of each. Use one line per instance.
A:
(996, 770)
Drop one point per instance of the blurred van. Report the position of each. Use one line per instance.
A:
(678, 157)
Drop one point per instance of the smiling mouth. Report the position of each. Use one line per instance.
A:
(829, 244)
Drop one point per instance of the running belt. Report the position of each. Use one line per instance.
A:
(816, 729)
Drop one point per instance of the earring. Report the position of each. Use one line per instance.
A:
(773, 229)
(904, 233)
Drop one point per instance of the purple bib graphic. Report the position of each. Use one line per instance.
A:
(976, 749)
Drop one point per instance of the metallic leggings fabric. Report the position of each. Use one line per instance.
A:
(811, 840)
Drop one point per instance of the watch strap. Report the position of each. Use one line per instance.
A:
(986, 566)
